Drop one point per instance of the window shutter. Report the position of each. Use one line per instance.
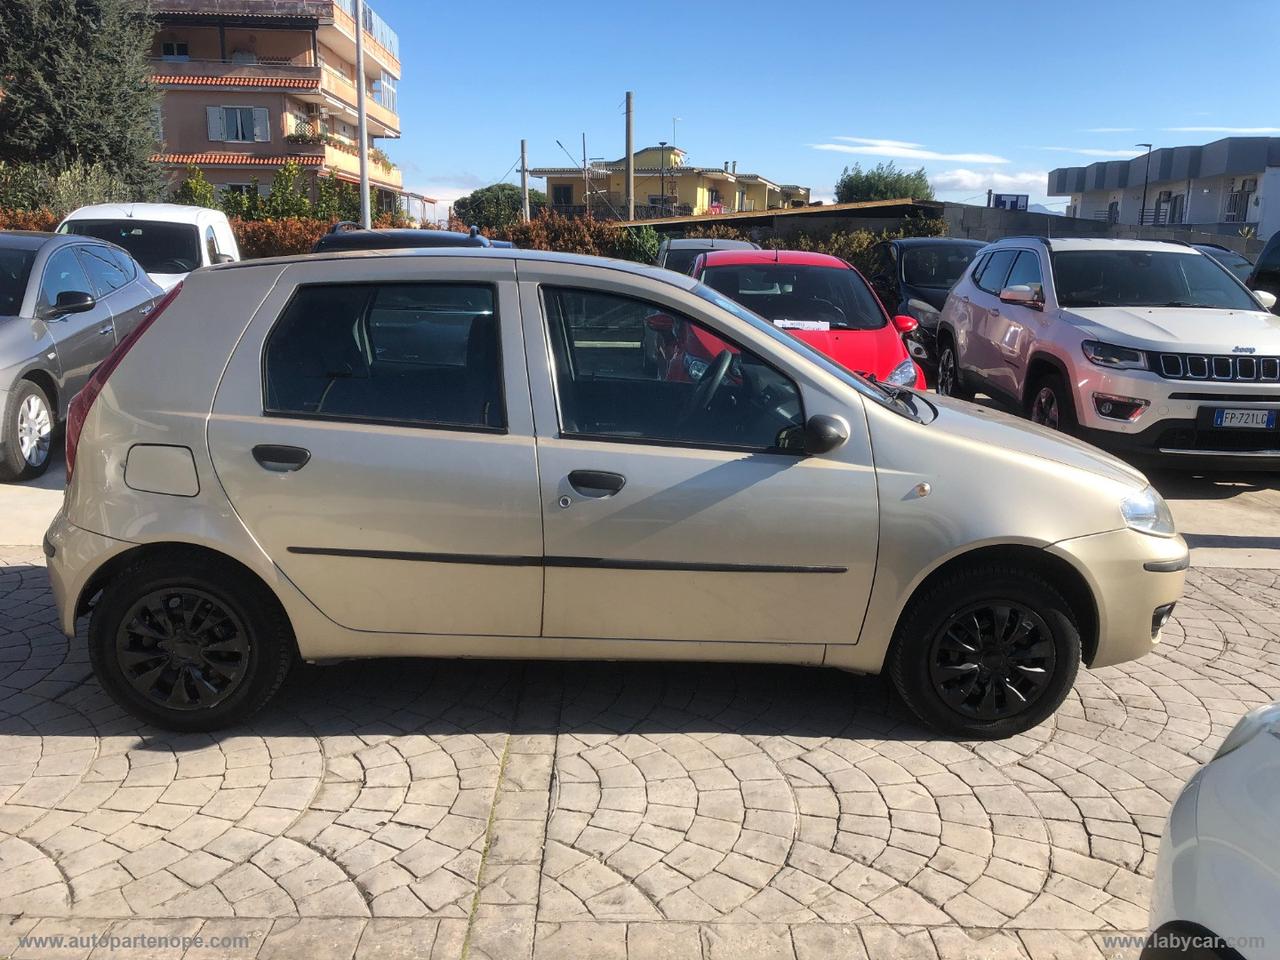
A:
(261, 124)
(213, 115)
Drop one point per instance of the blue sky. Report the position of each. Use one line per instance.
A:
(990, 94)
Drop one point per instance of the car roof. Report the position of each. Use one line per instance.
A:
(725, 258)
(935, 241)
(381, 239)
(491, 253)
(710, 243)
(163, 212)
(25, 239)
(1063, 244)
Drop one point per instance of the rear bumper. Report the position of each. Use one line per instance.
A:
(1131, 576)
(72, 556)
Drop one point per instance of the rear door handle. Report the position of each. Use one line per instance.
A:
(596, 484)
(105, 331)
(281, 459)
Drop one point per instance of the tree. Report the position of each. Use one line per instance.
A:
(290, 196)
(77, 87)
(195, 190)
(884, 182)
(496, 206)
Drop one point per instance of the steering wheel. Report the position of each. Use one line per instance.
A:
(708, 385)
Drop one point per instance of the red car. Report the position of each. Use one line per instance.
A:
(816, 298)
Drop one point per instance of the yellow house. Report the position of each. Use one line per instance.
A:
(664, 186)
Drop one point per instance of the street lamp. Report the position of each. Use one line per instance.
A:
(662, 174)
(1142, 215)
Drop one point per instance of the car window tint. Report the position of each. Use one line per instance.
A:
(415, 353)
(104, 272)
(635, 371)
(1025, 272)
(62, 274)
(990, 276)
(122, 260)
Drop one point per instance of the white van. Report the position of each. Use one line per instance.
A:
(169, 240)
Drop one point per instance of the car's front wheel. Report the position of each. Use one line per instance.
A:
(27, 433)
(987, 651)
(189, 642)
(1050, 404)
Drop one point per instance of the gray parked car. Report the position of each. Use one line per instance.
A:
(65, 302)
(679, 254)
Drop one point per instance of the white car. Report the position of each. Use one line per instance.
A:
(1217, 882)
(169, 240)
(1145, 348)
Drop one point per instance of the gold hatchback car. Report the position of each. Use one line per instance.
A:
(469, 453)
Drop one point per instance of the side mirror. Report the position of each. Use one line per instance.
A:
(1266, 298)
(823, 433)
(660, 323)
(1024, 294)
(72, 301)
(223, 258)
(905, 324)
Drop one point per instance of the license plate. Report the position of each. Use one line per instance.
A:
(1248, 419)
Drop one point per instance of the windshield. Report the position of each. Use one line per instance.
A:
(15, 267)
(902, 401)
(800, 297)
(680, 259)
(938, 265)
(1145, 278)
(158, 247)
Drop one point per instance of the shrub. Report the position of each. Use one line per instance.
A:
(277, 238)
(34, 186)
(195, 190)
(42, 219)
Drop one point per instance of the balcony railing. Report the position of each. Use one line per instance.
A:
(277, 68)
(375, 26)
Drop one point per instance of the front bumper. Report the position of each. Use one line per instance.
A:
(1177, 423)
(1131, 576)
(72, 556)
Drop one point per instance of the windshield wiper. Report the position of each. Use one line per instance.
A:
(1087, 303)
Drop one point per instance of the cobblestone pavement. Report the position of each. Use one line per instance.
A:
(447, 809)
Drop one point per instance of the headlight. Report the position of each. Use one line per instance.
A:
(1117, 358)
(1251, 724)
(695, 367)
(926, 313)
(903, 375)
(1147, 512)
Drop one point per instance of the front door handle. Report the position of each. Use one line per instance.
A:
(281, 459)
(105, 331)
(596, 484)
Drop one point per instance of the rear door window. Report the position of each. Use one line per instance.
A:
(412, 353)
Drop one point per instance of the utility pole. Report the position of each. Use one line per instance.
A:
(366, 219)
(524, 178)
(988, 198)
(631, 162)
(586, 177)
(1142, 216)
(662, 175)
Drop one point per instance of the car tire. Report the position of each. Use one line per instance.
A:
(950, 379)
(172, 630)
(1003, 631)
(26, 438)
(1049, 404)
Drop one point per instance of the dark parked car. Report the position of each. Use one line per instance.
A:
(350, 236)
(1266, 272)
(1237, 263)
(912, 276)
(65, 302)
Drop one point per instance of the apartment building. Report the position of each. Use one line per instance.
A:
(1221, 187)
(665, 185)
(249, 85)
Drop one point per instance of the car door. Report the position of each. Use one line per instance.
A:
(82, 339)
(670, 518)
(129, 292)
(1012, 326)
(373, 433)
(981, 354)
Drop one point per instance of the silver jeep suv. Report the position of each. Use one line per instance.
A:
(1148, 348)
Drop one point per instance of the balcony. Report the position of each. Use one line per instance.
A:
(344, 160)
(294, 73)
(339, 86)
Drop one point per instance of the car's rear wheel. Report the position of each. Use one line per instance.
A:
(950, 380)
(189, 642)
(987, 651)
(1050, 404)
(27, 437)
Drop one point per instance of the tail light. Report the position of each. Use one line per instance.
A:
(83, 401)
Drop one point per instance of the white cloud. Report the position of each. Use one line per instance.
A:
(1109, 130)
(1243, 130)
(976, 180)
(901, 149)
(1091, 151)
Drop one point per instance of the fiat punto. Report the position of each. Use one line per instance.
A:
(463, 453)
